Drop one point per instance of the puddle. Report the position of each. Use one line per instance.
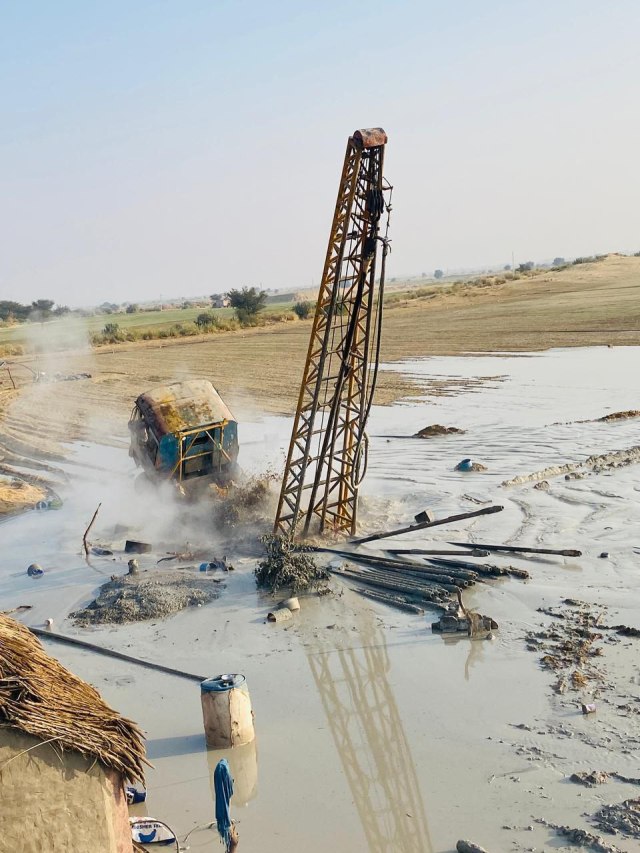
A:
(374, 734)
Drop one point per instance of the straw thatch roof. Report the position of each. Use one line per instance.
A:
(40, 697)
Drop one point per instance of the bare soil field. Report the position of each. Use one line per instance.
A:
(260, 369)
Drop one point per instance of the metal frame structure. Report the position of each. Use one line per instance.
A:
(327, 452)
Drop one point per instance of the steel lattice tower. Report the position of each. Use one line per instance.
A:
(327, 452)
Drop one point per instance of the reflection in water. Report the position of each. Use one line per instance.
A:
(370, 739)
(243, 763)
(476, 650)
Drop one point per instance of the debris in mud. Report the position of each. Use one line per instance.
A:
(249, 503)
(99, 551)
(463, 620)
(590, 780)
(133, 546)
(581, 838)
(286, 566)
(437, 429)
(468, 465)
(569, 647)
(624, 630)
(469, 847)
(474, 500)
(596, 464)
(542, 486)
(134, 598)
(623, 818)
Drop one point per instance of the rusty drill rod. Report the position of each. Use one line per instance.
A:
(516, 549)
(488, 510)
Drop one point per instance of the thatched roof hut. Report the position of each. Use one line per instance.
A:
(65, 755)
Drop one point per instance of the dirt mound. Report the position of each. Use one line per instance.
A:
(619, 416)
(16, 494)
(134, 598)
(596, 463)
(437, 429)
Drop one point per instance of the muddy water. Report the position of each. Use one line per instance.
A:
(372, 732)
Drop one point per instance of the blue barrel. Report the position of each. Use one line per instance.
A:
(226, 711)
(220, 683)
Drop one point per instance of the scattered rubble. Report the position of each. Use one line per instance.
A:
(569, 647)
(582, 838)
(623, 818)
(137, 597)
(595, 464)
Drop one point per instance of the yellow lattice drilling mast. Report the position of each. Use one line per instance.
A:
(328, 448)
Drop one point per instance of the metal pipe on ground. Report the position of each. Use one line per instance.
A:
(488, 510)
(486, 569)
(426, 589)
(436, 552)
(392, 601)
(386, 562)
(402, 565)
(517, 549)
(101, 650)
(419, 581)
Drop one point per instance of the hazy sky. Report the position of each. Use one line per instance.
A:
(185, 147)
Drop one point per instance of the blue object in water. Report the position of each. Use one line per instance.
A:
(465, 465)
(223, 786)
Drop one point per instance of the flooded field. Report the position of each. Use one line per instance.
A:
(373, 733)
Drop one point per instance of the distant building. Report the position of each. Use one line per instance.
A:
(65, 755)
(219, 300)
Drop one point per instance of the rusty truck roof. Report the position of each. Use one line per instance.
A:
(182, 406)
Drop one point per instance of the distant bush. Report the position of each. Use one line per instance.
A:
(557, 262)
(302, 309)
(589, 259)
(438, 274)
(526, 267)
(206, 320)
(247, 303)
(132, 308)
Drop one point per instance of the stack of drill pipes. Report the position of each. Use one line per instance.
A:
(437, 597)
(402, 584)
(480, 568)
(436, 574)
(464, 573)
(392, 601)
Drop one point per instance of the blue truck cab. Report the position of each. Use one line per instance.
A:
(184, 432)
